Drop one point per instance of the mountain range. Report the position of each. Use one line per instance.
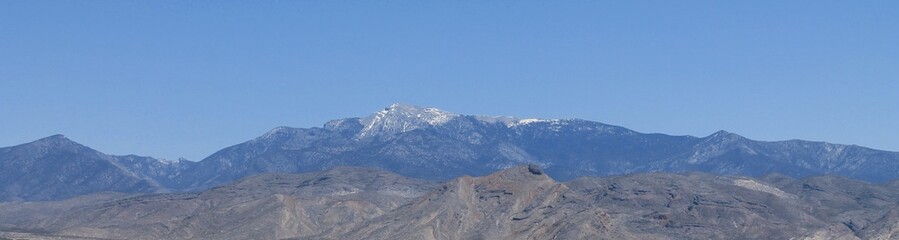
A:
(431, 144)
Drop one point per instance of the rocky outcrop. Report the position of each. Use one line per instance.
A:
(517, 203)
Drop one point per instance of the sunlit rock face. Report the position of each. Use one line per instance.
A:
(522, 202)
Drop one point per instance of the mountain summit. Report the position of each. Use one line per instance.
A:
(401, 118)
(56, 167)
(54, 142)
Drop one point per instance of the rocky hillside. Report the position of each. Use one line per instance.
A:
(517, 203)
(268, 206)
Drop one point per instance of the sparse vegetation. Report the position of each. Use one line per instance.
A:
(357, 200)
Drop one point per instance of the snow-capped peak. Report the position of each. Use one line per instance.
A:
(399, 118)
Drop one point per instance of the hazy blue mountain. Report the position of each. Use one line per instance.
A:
(434, 144)
(431, 144)
(56, 167)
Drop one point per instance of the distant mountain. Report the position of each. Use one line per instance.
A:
(56, 167)
(517, 203)
(432, 144)
(435, 144)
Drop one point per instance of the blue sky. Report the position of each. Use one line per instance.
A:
(187, 78)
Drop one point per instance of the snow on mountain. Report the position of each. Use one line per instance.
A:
(400, 118)
(435, 144)
(514, 121)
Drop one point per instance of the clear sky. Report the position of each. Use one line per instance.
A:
(186, 78)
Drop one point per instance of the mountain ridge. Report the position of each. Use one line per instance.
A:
(467, 133)
(56, 167)
(434, 144)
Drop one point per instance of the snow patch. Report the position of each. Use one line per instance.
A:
(527, 121)
(505, 120)
(274, 132)
(172, 162)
